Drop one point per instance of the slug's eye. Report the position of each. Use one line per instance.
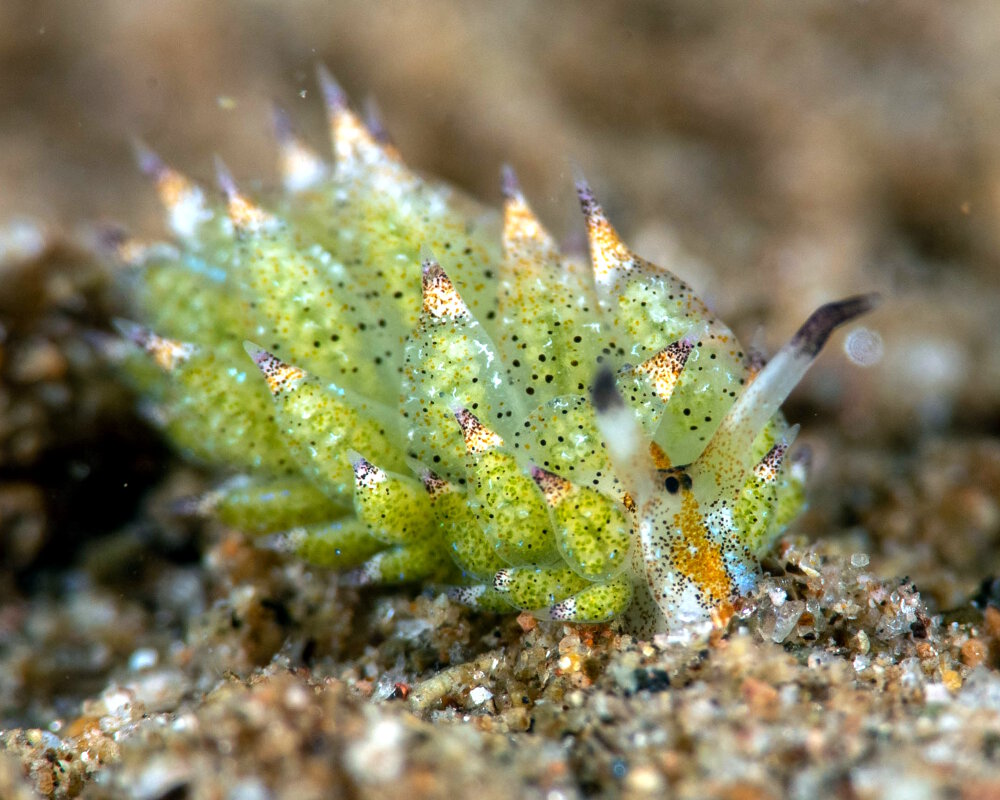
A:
(676, 480)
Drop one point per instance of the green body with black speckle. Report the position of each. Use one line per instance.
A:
(416, 406)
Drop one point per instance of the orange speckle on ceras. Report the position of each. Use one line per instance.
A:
(608, 252)
(441, 300)
(554, 488)
(167, 353)
(521, 225)
(245, 215)
(280, 376)
(664, 368)
(172, 187)
(478, 438)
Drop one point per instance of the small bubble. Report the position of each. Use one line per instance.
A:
(864, 347)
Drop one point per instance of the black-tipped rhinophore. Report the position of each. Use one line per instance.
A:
(604, 393)
(810, 338)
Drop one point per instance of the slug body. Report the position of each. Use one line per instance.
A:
(409, 389)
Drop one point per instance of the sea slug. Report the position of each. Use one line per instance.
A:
(408, 388)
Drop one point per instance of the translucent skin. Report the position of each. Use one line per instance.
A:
(433, 397)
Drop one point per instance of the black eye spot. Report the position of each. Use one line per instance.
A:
(677, 480)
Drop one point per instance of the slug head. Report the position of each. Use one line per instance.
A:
(692, 549)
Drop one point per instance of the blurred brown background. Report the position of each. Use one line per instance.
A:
(776, 154)
(796, 151)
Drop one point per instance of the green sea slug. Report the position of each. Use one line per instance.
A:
(411, 389)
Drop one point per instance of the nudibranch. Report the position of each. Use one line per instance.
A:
(408, 388)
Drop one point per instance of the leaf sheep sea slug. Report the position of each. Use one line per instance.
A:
(409, 389)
